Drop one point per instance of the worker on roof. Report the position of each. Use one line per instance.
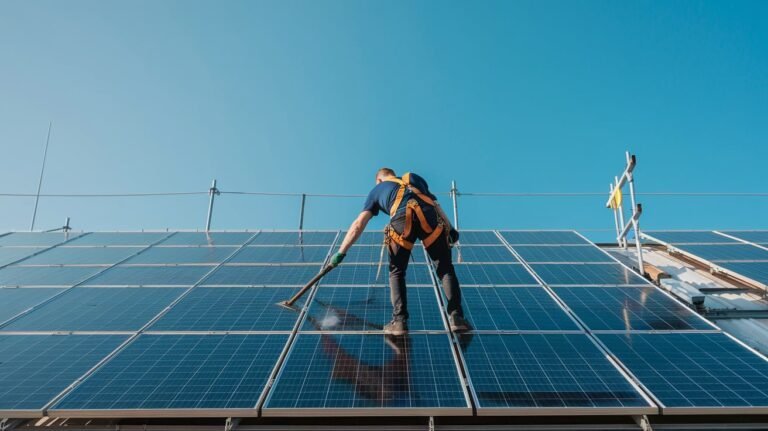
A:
(414, 214)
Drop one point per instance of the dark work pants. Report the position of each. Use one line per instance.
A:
(439, 252)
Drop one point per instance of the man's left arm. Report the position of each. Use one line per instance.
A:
(353, 234)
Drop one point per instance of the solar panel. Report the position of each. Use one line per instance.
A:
(119, 238)
(182, 255)
(45, 276)
(493, 274)
(97, 309)
(694, 370)
(689, 237)
(729, 252)
(36, 239)
(513, 309)
(757, 271)
(230, 309)
(360, 274)
(81, 256)
(369, 308)
(495, 253)
(35, 368)
(563, 237)
(372, 253)
(756, 236)
(282, 275)
(294, 238)
(16, 300)
(179, 373)
(587, 274)
(367, 238)
(545, 371)
(208, 238)
(575, 253)
(150, 276)
(340, 373)
(628, 308)
(12, 254)
(479, 237)
(281, 254)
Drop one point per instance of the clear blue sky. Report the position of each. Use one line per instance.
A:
(313, 96)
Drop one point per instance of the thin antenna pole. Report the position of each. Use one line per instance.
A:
(42, 171)
(301, 217)
(213, 191)
(454, 193)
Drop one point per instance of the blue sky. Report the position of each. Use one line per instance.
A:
(314, 96)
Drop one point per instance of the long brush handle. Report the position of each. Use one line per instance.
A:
(309, 285)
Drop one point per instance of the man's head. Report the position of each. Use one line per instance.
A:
(384, 173)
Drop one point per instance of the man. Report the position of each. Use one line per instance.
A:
(414, 214)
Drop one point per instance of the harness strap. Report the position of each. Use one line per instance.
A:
(402, 242)
(434, 236)
(405, 183)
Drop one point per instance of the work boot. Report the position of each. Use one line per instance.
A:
(458, 323)
(396, 327)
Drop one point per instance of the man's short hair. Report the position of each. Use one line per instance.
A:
(385, 172)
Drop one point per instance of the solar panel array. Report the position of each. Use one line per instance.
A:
(742, 254)
(185, 324)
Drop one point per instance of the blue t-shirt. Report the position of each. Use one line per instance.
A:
(384, 194)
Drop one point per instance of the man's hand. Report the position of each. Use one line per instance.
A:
(453, 236)
(337, 258)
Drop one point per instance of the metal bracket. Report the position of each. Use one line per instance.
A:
(643, 422)
(231, 424)
(622, 228)
(431, 423)
(8, 424)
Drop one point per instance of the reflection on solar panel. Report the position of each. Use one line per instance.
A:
(587, 274)
(45, 276)
(283, 275)
(729, 252)
(294, 238)
(576, 253)
(417, 274)
(409, 374)
(35, 239)
(563, 237)
(757, 271)
(208, 238)
(694, 370)
(469, 253)
(513, 309)
(182, 255)
(180, 372)
(281, 254)
(120, 238)
(97, 309)
(369, 308)
(756, 236)
(81, 256)
(479, 237)
(16, 300)
(628, 308)
(12, 254)
(150, 276)
(544, 371)
(493, 274)
(35, 368)
(690, 237)
(229, 309)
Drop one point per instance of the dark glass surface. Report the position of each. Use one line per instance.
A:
(757, 271)
(283, 275)
(35, 368)
(469, 253)
(181, 372)
(756, 236)
(82, 256)
(15, 300)
(479, 237)
(36, 239)
(372, 253)
(587, 274)
(208, 238)
(493, 274)
(557, 237)
(693, 370)
(368, 371)
(690, 237)
(46, 276)
(282, 254)
(568, 253)
(544, 370)
(120, 238)
(150, 276)
(730, 252)
(513, 309)
(351, 274)
(294, 238)
(12, 254)
(182, 255)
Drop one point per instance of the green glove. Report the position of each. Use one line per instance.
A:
(337, 258)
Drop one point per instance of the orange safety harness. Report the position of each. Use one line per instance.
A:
(412, 207)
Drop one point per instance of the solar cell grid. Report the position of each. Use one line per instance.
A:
(35, 368)
(294, 238)
(563, 237)
(694, 370)
(97, 309)
(150, 276)
(416, 274)
(757, 271)
(756, 236)
(178, 372)
(724, 253)
(182, 255)
(65, 255)
(119, 238)
(587, 274)
(208, 238)
(509, 371)
(365, 308)
(16, 300)
(690, 237)
(479, 237)
(36, 239)
(367, 238)
(230, 309)
(468, 253)
(513, 309)
(278, 275)
(564, 253)
(9, 255)
(46, 276)
(281, 254)
(628, 308)
(493, 274)
(371, 254)
(409, 374)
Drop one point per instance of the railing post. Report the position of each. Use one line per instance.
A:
(454, 194)
(212, 192)
(66, 226)
(301, 215)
